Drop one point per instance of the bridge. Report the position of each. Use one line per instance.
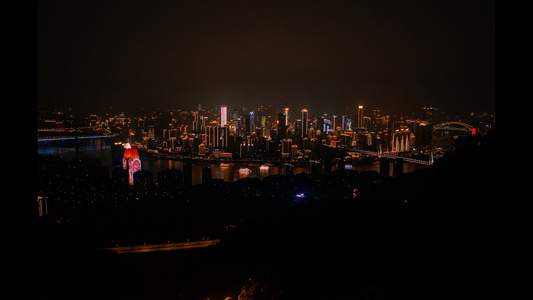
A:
(73, 133)
(70, 137)
(66, 129)
(391, 155)
(459, 126)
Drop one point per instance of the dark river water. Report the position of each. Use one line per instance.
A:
(102, 151)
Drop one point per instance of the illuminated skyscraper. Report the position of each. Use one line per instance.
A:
(195, 120)
(203, 122)
(223, 115)
(224, 134)
(360, 117)
(305, 116)
(252, 122)
(286, 111)
(286, 148)
(344, 122)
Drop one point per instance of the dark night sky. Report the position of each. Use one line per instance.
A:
(322, 55)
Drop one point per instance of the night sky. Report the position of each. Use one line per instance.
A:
(320, 55)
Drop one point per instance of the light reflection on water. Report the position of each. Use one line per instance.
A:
(228, 174)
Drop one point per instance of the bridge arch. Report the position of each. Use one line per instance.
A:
(453, 126)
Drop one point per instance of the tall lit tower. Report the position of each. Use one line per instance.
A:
(252, 122)
(360, 117)
(223, 115)
(305, 116)
(286, 111)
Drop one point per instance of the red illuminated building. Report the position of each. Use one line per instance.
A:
(131, 160)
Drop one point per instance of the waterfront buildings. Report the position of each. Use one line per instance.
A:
(205, 131)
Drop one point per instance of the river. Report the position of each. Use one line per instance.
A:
(103, 152)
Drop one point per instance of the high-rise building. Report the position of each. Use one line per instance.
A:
(43, 205)
(424, 135)
(195, 123)
(428, 113)
(235, 115)
(305, 116)
(360, 117)
(311, 133)
(344, 122)
(247, 124)
(297, 129)
(236, 123)
(252, 122)
(203, 123)
(286, 147)
(213, 136)
(320, 125)
(294, 150)
(286, 112)
(151, 131)
(282, 129)
(223, 115)
(224, 134)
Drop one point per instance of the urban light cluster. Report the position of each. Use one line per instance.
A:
(275, 133)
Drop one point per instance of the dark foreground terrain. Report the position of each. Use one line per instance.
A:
(431, 234)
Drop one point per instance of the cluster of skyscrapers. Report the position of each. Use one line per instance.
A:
(270, 132)
(252, 133)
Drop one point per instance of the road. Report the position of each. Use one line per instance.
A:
(163, 247)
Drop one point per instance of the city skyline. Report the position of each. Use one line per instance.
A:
(267, 133)
(266, 149)
(379, 53)
(194, 192)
